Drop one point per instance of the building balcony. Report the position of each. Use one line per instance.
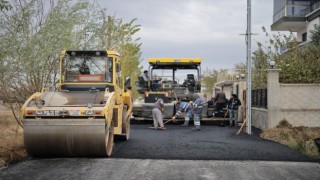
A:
(290, 18)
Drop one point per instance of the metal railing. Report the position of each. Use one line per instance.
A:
(292, 11)
(259, 98)
(315, 6)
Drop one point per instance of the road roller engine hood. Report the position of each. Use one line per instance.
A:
(62, 104)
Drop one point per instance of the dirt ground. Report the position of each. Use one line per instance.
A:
(11, 141)
(299, 138)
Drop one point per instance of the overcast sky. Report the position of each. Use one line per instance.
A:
(208, 29)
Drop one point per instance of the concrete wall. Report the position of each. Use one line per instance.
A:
(227, 90)
(300, 32)
(241, 87)
(259, 118)
(299, 104)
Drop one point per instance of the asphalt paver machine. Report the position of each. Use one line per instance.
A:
(172, 79)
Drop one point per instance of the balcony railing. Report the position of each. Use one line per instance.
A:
(315, 6)
(292, 11)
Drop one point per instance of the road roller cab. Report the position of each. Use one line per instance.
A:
(88, 108)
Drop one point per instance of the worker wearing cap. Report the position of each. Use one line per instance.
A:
(197, 110)
(184, 107)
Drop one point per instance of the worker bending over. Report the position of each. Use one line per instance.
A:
(184, 107)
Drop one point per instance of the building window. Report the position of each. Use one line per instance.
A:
(304, 37)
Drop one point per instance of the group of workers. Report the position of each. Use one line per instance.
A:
(194, 108)
(190, 108)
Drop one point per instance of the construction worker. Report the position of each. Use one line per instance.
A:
(157, 114)
(219, 101)
(233, 105)
(145, 76)
(184, 107)
(197, 110)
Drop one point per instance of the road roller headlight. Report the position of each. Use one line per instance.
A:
(38, 113)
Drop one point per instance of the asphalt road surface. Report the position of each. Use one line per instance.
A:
(211, 143)
(178, 153)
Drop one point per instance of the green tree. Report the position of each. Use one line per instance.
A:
(298, 64)
(259, 66)
(33, 33)
(315, 35)
(209, 78)
(115, 34)
(4, 5)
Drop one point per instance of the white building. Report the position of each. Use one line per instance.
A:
(298, 16)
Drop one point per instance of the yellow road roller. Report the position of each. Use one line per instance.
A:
(84, 112)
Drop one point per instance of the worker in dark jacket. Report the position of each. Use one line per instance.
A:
(210, 102)
(197, 110)
(184, 107)
(219, 100)
(233, 106)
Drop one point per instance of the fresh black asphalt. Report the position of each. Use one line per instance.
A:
(213, 153)
(211, 143)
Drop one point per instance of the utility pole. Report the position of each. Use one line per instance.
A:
(248, 83)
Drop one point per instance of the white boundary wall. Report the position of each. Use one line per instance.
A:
(299, 104)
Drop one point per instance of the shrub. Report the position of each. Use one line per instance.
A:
(284, 124)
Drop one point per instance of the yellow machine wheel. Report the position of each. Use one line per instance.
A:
(125, 126)
(109, 139)
(127, 132)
